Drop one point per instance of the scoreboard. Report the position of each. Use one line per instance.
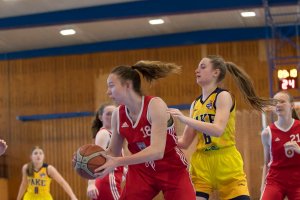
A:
(287, 78)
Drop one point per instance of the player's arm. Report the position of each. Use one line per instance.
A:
(155, 151)
(216, 129)
(188, 134)
(116, 142)
(265, 138)
(92, 191)
(24, 183)
(159, 117)
(3, 147)
(52, 172)
(102, 138)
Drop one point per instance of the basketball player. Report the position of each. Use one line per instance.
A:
(156, 164)
(109, 187)
(37, 177)
(216, 164)
(281, 140)
(3, 147)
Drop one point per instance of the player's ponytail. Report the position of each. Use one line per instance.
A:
(245, 85)
(295, 114)
(242, 79)
(153, 70)
(30, 169)
(150, 70)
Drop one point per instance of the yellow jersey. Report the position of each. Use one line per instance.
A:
(205, 111)
(39, 184)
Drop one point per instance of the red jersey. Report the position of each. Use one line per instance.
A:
(169, 174)
(280, 158)
(283, 178)
(138, 135)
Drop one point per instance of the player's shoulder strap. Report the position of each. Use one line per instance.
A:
(194, 102)
(45, 165)
(218, 91)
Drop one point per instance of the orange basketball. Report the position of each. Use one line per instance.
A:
(86, 159)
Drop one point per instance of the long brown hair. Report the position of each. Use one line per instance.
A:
(242, 79)
(151, 70)
(30, 166)
(97, 123)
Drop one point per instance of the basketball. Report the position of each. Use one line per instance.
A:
(86, 159)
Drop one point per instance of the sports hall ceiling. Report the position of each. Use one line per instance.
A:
(30, 28)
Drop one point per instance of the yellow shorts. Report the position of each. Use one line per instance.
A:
(220, 170)
(31, 196)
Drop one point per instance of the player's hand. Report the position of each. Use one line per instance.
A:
(107, 167)
(3, 147)
(176, 113)
(92, 191)
(293, 145)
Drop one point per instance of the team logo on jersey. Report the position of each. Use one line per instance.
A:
(42, 175)
(289, 153)
(141, 145)
(209, 105)
(277, 139)
(124, 125)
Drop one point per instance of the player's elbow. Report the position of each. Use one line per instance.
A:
(218, 134)
(182, 145)
(158, 154)
(218, 131)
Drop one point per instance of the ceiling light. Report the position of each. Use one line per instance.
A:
(67, 32)
(156, 21)
(248, 14)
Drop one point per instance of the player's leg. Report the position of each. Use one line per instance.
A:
(242, 197)
(291, 183)
(109, 187)
(294, 193)
(230, 177)
(179, 187)
(204, 196)
(272, 191)
(201, 174)
(138, 185)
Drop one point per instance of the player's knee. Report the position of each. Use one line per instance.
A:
(242, 197)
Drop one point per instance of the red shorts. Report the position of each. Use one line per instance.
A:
(109, 187)
(281, 184)
(145, 183)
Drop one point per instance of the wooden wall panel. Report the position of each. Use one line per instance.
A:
(248, 140)
(61, 139)
(78, 83)
(44, 86)
(4, 103)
